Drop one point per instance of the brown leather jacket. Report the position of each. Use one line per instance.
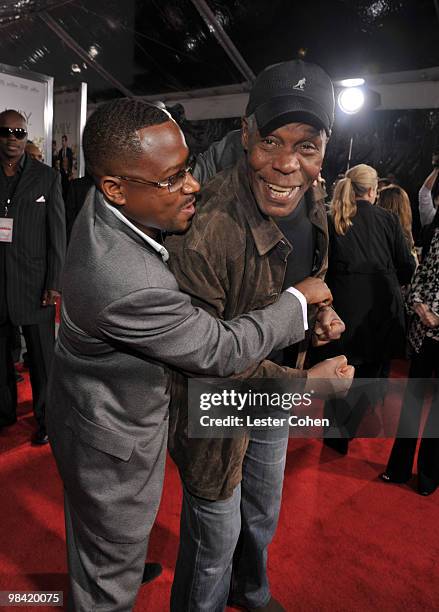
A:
(231, 261)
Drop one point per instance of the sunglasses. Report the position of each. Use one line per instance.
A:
(19, 133)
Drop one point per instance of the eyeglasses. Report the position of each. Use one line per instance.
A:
(19, 133)
(173, 183)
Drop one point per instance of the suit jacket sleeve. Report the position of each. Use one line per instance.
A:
(73, 204)
(70, 208)
(56, 235)
(207, 286)
(164, 325)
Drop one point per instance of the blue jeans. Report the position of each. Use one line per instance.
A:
(223, 544)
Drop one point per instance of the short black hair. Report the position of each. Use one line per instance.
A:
(111, 132)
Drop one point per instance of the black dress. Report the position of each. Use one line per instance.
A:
(366, 269)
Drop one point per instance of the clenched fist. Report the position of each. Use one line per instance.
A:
(330, 377)
(328, 326)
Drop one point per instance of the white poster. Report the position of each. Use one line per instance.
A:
(31, 94)
(69, 116)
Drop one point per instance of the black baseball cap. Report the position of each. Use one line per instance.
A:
(290, 92)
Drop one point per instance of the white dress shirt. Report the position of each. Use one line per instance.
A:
(155, 245)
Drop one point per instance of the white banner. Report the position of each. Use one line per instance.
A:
(30, 94)
(69, 116)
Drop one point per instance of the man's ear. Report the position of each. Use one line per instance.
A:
(112, 189)
(244, 133)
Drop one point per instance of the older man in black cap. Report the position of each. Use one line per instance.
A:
(259, 227)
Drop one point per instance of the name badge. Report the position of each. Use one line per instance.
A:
(6, 227)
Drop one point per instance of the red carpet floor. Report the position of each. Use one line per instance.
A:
(346, 541)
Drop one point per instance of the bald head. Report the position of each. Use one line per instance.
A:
(11, 114)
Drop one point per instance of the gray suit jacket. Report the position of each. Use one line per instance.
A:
(125, 326)
(35, 259)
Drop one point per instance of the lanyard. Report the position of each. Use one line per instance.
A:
(11, 193)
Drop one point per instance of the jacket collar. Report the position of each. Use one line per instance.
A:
(157, 246)
(30, 172)
(96, 205)
(265, 232)
(316, 207)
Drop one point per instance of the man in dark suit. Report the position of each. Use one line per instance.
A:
(65, 153)
(32, 246)
(125, 327)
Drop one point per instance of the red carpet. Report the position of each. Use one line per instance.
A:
(346, 541)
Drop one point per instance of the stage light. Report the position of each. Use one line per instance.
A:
(351, 100)
(352, 82)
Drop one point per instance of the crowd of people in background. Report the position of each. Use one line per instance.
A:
(384, 286)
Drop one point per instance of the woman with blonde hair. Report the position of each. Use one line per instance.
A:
(396, 199)
(368, 262)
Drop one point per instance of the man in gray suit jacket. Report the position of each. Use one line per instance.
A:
(125, 327)
(32, 249)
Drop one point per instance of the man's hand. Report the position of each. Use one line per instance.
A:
(315, 291)
(330, 377)
(428, 318)
(50, 297)
(328, 326)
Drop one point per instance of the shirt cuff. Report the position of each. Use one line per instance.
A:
(303, 303)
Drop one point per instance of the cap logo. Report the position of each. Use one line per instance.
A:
(300, 84)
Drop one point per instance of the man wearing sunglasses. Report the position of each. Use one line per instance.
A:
(32, 247)
(125, 328)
